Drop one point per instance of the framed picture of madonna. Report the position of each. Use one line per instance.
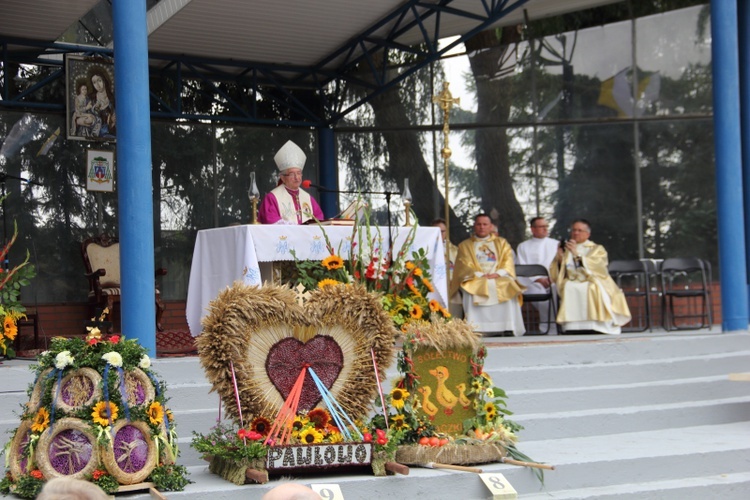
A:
(90, 99)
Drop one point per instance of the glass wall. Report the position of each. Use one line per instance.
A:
(592, 115)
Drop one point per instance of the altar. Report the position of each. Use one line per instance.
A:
(237, 253)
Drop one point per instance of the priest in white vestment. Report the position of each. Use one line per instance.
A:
(589, 297)
(486, 276)
(540, 250)
(287, 203)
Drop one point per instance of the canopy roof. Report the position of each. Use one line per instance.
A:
(294, 32)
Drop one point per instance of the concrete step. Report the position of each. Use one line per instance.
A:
(512, 352)
(616, 395)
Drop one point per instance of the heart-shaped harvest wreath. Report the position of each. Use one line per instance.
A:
(269, 339)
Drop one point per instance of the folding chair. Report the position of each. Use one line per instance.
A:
(529, 312)
(686, 281)
(632, 277)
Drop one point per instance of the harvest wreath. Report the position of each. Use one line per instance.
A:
(98, 412)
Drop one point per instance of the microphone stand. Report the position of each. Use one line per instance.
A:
(387, 194)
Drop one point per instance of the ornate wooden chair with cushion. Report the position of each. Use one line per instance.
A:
(101, 256)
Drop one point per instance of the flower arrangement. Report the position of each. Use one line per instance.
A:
(403, 279)
(11, 309)
(101, 394)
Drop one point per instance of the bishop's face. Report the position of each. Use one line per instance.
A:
(292, 178)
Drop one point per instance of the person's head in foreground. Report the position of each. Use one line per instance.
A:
(291, 491)
(68, 488)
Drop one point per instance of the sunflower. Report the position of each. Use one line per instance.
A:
(399, 423)
(100, 414)
(299, 423)
(261, 425)
(476, 385)
(10, 328)
(156, 413)
(398, 397)
(335, 437)
(310, 435)
(415, 312)
(41, 420)
(319, 417)
(327, 282)
(333, 262)
(490, 411)
(435, 305)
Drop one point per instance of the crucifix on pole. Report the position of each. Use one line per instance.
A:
(446, 101)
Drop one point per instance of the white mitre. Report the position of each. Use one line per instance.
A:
(290, 156)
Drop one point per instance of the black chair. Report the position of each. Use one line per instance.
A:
(536, 271)
(687, 282)
(632, 276)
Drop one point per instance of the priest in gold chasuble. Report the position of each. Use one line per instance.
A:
(485, 275)
(589, 297)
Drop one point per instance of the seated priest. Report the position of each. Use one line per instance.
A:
(287, 203)
(486, 276)
(589, 297)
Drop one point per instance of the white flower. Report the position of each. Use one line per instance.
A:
(145, 362)
(113, 358)
(63, 359)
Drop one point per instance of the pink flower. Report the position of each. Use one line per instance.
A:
(93, 341)
(367, 437)
(114, 339)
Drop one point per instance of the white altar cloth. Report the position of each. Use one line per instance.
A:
(224, 255)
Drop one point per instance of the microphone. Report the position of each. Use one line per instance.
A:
(308, 184)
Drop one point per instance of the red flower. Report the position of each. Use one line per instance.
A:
(98, 473)
(114, 339)
(380, 433)
(367, 437)
(254, 436)
(93, 341)
(382, 441)
(243, 434)
(36, 474)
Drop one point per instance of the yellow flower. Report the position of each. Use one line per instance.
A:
(398, 423)
(336, 437)
(310, 435)
(10, 328)
(41, 420)
(417, 272)
(299, 424)
(100, 413)
(328, 282)
(490, 411)
(398, 397)
(409, 265)
(415, 312)
(170, 415)
(333, 262)
(476, 385)
(428, 285)
(156, 413)
(435, 305)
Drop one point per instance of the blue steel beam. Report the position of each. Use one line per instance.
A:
(329, 78)
(729, 199)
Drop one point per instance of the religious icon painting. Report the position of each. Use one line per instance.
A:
(90, 99)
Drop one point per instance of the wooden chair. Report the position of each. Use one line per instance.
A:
(101, 257)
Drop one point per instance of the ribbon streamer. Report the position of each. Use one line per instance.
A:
(380, 387)
(54, 400)
(124, 393)
(335, 408)
(237, 397)
(285, 419)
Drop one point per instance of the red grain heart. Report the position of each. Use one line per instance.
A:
(288, 356)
